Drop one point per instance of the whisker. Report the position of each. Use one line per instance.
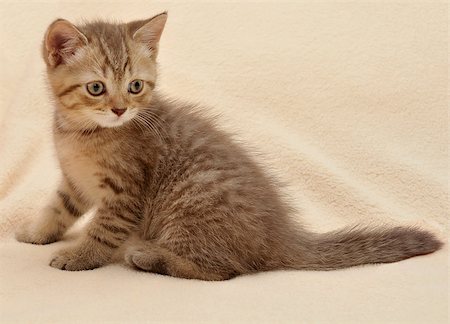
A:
(150, 127)
(152, 116)
(157, 119)
(157, 122)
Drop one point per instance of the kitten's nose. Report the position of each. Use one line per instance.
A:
(118, 111)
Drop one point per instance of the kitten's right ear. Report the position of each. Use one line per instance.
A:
(61, 41)
(148, 32)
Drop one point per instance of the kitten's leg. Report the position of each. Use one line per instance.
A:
(64, 209)
(110, 227)
(151, 257)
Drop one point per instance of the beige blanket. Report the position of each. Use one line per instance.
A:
(347, 102)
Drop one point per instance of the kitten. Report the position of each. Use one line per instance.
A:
(173, 194)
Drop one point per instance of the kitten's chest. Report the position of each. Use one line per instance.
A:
(81, 164)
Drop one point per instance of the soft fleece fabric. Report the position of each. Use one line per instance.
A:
(347, 102)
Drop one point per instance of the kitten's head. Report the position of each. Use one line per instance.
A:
(102, 74)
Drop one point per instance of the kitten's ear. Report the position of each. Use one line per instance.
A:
(149, 31)
(62, 40)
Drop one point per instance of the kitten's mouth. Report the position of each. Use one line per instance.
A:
(118, 122)
(112, 118)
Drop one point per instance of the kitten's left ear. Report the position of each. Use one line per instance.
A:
(61, 41)
(149, 31)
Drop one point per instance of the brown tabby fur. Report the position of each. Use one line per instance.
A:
(174, 194)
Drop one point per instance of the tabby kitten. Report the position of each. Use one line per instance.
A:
(173, 194)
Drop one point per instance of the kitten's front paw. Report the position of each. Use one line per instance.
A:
(27, 234)
(76, 259)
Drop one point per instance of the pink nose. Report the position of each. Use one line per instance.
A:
(119, 111)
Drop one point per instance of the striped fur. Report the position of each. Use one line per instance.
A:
(174, 194)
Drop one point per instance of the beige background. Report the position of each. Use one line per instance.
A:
(346, 101)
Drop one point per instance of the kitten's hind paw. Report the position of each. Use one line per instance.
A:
(146, 260)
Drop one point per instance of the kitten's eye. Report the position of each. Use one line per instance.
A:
(135, 86)
(95, 88)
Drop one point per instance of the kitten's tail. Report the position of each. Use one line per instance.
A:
(356, 246)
